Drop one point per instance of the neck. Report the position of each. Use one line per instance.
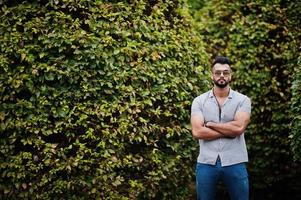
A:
(221, 92)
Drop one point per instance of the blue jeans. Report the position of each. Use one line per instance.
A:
(235, 178)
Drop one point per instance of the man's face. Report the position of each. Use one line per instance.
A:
(221, 75)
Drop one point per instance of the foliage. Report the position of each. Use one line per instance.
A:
(295, 20)
(262, 39)
(95, 99)
(296, 113)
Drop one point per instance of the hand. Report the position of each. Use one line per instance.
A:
(208, 124)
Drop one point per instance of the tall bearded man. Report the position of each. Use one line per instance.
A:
(219, 118)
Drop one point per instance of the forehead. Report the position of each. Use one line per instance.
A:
(221, 67)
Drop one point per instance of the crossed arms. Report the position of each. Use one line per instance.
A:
(212, 130)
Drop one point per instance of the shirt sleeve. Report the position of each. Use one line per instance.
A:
(196, 108)
(245, 105)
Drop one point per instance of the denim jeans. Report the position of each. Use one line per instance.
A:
(234, 177)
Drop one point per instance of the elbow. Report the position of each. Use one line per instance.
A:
(238, 131)
(196, 134)
(239, 127)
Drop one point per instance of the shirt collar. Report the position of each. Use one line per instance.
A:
(230, 96)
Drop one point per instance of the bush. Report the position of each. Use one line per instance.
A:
(261, 38)
(95, 99)
(295, 20)
(295, 113)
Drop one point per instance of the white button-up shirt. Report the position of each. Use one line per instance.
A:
(231, 151)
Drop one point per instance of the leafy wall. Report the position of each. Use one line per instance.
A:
(262, 38)
(95, 99)
(296, 113)
(295, 20)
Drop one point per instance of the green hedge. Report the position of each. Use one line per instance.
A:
(262, 38)
(295, 21)
(296, 113)
(95, 99)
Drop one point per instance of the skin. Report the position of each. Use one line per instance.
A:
(212, 130)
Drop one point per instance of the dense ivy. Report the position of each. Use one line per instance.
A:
(295, 21)
(95, 99)
(262, 38)
(296, 113)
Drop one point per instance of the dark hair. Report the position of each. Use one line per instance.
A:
(221, 60)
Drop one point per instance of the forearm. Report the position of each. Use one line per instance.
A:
(231, 129)
(206, 133)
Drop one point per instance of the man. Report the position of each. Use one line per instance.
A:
(219, 118)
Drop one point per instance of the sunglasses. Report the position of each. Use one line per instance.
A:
(219, 73)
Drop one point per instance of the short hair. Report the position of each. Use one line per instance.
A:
(221, 60)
